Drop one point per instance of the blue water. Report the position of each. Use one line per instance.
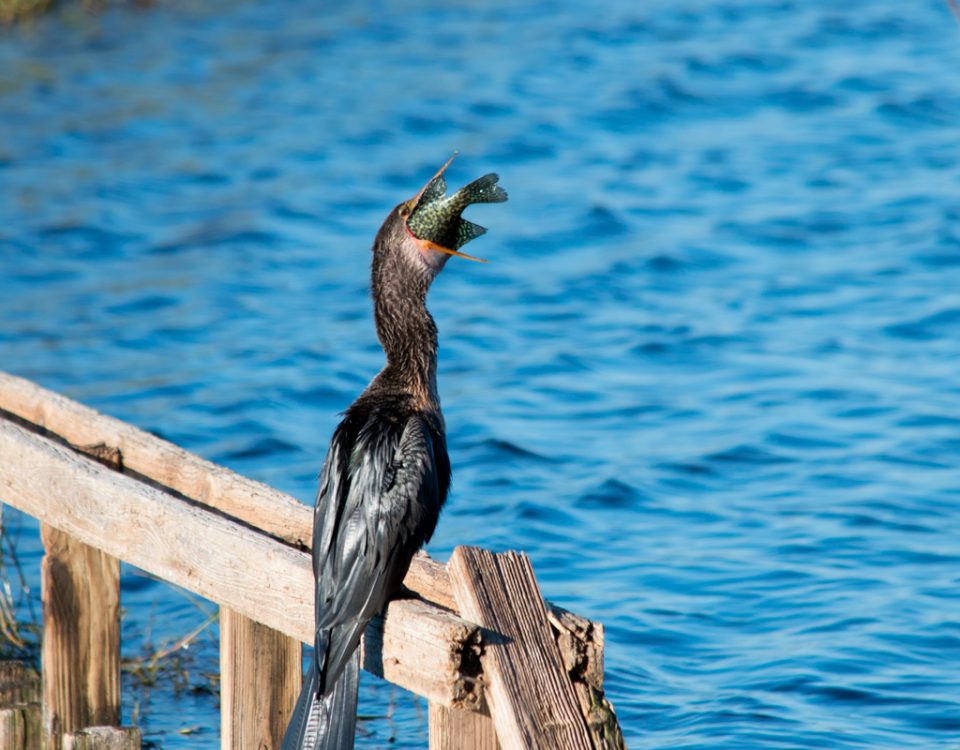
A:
(708, 382)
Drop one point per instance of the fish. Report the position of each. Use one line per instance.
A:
(435, 217)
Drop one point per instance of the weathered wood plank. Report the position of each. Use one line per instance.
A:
(18, 683)
(581, 647)
(138, 452)
(104, 738)
(80, 588)
(20, 727)
(452, 729)
(403, 654)
(142, 455)
(19, 707)
(429, 579)
(163, 462)
(221, 560)
(13, 729)
(260, 676)
(531, 698)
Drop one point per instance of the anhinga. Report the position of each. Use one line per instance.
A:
(386, 473)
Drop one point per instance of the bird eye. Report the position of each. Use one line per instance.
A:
(404, 211)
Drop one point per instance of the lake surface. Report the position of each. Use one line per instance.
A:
(709, 381)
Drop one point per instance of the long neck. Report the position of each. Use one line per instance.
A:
(408, 336)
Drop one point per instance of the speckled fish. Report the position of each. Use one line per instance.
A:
(435, 218)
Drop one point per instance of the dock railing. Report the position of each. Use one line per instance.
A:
(499, 666)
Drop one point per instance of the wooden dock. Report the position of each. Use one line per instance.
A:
(499, 666)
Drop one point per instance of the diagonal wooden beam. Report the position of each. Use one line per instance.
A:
(159, 461)
(152, 461)
(531, 698)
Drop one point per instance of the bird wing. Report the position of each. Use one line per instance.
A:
(378, 499)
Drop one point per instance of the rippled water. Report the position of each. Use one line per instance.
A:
(708, 382)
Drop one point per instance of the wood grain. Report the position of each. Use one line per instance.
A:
(401, 654)
(453, 729)
(103, 738)
(199, 485)
(19, 707)
(580, 642)
(80, 589)
(20, 727)
(260, 676)
(221, 560)
(531, 698)
(164, 463)
(18, 683)
(141, 454)
(12, 729)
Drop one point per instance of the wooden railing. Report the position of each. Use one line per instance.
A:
(498, 666)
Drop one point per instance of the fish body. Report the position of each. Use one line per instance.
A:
(436, 217)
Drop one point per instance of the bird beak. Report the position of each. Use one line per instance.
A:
(427, 244)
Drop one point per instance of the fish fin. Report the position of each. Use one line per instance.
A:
(485, 190)
(467, 231)
(415, 200)
(435, 189)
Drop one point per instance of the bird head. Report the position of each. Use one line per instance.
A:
(421, 234)
(434, 219)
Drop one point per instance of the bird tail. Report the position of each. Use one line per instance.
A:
(325, 722)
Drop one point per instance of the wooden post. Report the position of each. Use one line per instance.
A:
(19, 707)
(455, 729)
(581, 648)
(18, 684)
(80, 588)
(103, 738)
(419, 645)
(260, 676)
(20, 727)
(12, 729)
(530, 695)
(243, 545)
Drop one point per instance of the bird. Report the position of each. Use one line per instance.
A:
(387, 472)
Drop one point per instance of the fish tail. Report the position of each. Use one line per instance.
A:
(484, 190)
(325, 722)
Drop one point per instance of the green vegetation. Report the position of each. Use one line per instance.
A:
(172, 664)
(19, 638)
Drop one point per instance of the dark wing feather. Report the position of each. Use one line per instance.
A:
(379, 499)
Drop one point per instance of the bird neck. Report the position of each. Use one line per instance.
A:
(409, 338)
